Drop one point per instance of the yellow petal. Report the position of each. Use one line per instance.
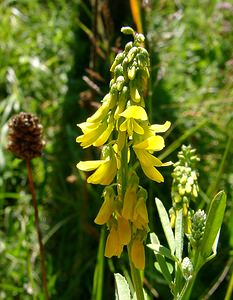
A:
(135, 112)
(104, 174)
(113, 245)
(147, 159)
(129, 204)
(138, 254)
(161, 128)
(89, 165)
(105, 211)
(104, 136)
(123, 126)
(152, 173)
(102, 111)
(137, 128)
(153, 143)
(124, 230)
(87, 127)
(141, 210)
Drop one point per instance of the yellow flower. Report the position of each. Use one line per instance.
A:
(150, 143)
(108, 102)
(129, 203)
(131, 114)
(140, 216)
(148, 163)
(107, 207)
(138, 254)
(95, 134)
(113, 245)
(124, 230)
(105, 169)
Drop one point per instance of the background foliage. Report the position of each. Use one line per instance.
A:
(54, 61)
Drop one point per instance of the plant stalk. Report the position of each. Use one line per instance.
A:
(135, 274)
(37, 224)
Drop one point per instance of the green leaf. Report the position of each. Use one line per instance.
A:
(179, 234)
(122, 291)
(213, 223)
(164, 266)
(154, 238)
(159, 249)
(166, 224)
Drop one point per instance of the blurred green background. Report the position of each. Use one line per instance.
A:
(54, 61)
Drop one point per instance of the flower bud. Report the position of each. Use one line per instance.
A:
(187, 268)
(138, 254)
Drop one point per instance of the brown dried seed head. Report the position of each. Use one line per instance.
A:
(25, 136)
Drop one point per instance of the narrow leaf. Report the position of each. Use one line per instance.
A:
(179, 235)
(159, 249)
(122, 291)
(213, 223)
(166, 224)
(154, 238)
(164, 268)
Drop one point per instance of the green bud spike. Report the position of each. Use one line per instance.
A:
(198, 227)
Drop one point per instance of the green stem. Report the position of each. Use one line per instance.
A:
(39, 234)
(97, 291)
(135, 274)
(198, 262)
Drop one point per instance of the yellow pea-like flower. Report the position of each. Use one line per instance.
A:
(138, 254)
(107, 207)
(129, 203)
(124, 230)
(113, 246)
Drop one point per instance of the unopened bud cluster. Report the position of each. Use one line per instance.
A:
(198, 227)
(187, 268)
(185, 185)
(25, 136)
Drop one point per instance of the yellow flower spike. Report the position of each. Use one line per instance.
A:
(113, 246)
(129, 203)
(124, 230)
(107, 207)
(138, 254)
(153, 143)
(160, 128)
(135, 112)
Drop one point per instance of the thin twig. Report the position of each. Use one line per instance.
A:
(37, 223)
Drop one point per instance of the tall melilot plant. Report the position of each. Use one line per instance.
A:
(121, 129)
